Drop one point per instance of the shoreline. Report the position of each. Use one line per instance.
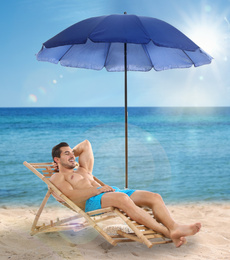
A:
(212, 242)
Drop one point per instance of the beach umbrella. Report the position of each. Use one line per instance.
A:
(123, 43)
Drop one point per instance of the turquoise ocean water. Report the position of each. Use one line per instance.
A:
(181, 153)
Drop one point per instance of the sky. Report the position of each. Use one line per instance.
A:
(26, 82)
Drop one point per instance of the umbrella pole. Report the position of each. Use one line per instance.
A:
(126, 119)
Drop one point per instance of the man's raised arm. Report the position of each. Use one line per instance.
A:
(85, 153)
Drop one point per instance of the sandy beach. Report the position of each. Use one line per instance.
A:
(212, 242)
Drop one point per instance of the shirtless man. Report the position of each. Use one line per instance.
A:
(82, 189)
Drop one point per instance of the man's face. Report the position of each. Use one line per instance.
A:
(67, 158)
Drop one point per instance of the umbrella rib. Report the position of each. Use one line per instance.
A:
(147, 54)
(189, 57)
(107, 54)
(65, 52)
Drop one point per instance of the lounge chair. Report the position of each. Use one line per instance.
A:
(127, 231)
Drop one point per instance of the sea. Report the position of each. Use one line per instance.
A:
(181, 153)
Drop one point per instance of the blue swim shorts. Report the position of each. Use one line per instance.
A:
(94, 202)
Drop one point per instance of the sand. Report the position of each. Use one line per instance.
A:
(212, 242)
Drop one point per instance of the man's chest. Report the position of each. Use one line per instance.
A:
(80, 180)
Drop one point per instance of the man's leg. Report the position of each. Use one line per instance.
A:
(161, 213)
(123, 202)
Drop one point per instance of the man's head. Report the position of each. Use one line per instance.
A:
(63, 155)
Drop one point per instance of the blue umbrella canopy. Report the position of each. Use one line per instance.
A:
(123, 43)
(98, 42)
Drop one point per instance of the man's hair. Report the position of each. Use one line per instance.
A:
(56, 151)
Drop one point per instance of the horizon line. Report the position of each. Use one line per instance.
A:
(121, 107)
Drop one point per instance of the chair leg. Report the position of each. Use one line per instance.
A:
(33, 228)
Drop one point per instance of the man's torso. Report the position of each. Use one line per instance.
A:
(80, 179)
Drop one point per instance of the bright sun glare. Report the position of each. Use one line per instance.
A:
(207, 38)
(210, 32)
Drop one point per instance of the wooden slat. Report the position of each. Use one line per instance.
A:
(59, 222)
(105, 218)
(49, 171)
(123, 240)
(48, 175)
(149, 231)
(135, 238)
(100, 211)
(154, 236)
(130, 236)
(57, 228)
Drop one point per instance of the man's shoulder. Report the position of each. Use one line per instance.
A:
(57, 177)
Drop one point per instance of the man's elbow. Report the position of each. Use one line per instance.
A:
(87, 143)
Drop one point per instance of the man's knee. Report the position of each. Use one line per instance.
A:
(122, 200)
(155, 197)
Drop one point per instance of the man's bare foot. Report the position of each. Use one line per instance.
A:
(179, 241)
(179, 233)
(185, 230)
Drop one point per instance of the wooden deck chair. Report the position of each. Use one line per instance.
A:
(98, 219)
